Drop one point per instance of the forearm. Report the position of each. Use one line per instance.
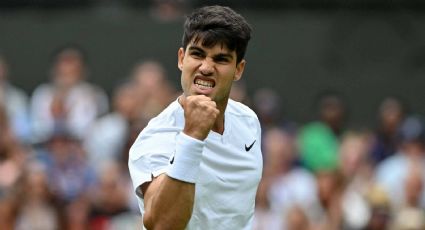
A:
(170, 197)
(171, 206)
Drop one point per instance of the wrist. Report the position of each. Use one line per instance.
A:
(195, 134)
(187, 158)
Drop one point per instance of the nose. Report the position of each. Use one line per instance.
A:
(207, 67)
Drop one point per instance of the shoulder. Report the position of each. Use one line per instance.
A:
(240, 110)
(16, 93)
(42, 94)
(159, 135)
(242, 116)
(314, 131)
(42, 89)
(168, 118)
(111, 121)
(391, 164)
(15, 90)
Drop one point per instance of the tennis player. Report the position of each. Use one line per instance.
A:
(197, 164)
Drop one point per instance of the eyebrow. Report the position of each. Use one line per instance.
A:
(224, 55)
(195, 48)
(219, 55)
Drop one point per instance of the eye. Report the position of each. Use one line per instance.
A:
(222, 60)
(196, 54)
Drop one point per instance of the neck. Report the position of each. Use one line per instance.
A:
(218, 126)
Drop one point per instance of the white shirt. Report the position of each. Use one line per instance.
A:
(16, 105)
(229, 172)
(105, 139)
(391, 174)
(295, 188)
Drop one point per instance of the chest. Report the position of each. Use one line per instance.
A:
(233, 165)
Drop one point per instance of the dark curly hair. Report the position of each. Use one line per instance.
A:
(217, 24)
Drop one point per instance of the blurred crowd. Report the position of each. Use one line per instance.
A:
(64, 151)
(324, 175)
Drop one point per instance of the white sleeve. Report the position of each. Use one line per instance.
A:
(150, 155)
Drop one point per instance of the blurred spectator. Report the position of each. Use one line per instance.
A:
(390, 116)
(411, 215)
(286, 185)
(12, 165)
(6, 133)
(36, 205)
(15, 102)
(319, 140)
(330, 187)
(264, 218)
(11, 168)
(68, 100)
(77, 214)
(70, 176)
(155, 91)
(239, 92)
(146, 94)
(296, 219)
(7, 212)
(354, 155)
(380, 208)
(357, 173)
(332, 111)
(409, 219)
(168, 10)
(12, 157)
(106, 138)
(414, 187)
(393, 171)
(267, 105)
(110, 199)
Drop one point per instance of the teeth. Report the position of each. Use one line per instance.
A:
(203, 83)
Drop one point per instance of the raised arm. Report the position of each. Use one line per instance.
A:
(169, 197)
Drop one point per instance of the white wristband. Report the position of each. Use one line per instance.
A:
(187, 159)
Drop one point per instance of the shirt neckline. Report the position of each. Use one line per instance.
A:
(213, 134)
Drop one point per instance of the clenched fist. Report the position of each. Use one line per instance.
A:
(200, 113)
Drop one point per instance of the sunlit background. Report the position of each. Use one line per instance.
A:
(338, 86)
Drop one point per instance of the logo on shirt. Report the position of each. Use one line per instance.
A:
(247, 148)
(172, 161)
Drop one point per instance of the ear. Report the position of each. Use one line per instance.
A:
(239, 70)
(180, 57)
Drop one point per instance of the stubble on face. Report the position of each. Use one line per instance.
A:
(209, 71)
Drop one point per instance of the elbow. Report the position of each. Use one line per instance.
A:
(147, 221)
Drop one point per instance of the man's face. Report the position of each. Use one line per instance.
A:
(68, 69)
(209, 71)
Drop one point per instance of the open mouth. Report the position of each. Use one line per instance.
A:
(204, 83)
